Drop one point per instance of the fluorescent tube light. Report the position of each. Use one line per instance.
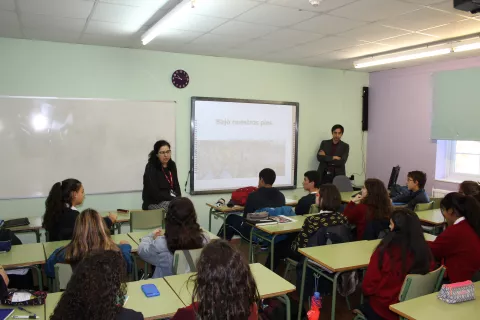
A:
(467, 47)
(169, 18)
(406, 57)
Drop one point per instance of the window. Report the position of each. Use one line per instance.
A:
(458, 160)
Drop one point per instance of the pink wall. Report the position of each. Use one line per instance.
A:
(400, 106)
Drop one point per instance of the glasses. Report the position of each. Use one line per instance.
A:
(168, 152)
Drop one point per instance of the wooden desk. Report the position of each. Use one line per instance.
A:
(25, 256)
(433, 217)
(430, 307)
(347, 196)
(335, 259)
(269, 285)
(138, 235)
(429, 237)
(35, 226)
(163, 306)
(121, 219)
(38, 310)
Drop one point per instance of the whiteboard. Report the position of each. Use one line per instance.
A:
(233, 140)
(103, 143)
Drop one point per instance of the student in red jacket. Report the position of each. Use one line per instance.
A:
(403, 251)
(372, 204)
(223, 286)
(459, 244)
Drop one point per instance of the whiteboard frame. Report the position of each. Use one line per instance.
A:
(192, 140)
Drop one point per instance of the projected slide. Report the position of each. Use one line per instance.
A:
(233, 140)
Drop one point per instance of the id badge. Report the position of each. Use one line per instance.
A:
(172, 193)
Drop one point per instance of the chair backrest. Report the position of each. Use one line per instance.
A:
(185, 261)
(147, 219)
(436, 202)
(393, 177)
(314, 209)
(343, 183)
(63, 273)
(330, 235)
(376, 229)
(424, 206)
(417, 285)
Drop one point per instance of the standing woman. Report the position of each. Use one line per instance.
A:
(160, 180)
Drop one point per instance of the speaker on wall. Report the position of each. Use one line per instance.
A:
(365, 109)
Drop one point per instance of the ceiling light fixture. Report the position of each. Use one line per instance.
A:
(170, 17)
(315, 3)
(467, 47)
(413, 56)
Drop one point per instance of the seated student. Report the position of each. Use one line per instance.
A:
(416, 193)
(403, 251)
(329, 201)
(90, 234)
(223, 286)
(470, 188)
(459, 244)
(182, 232)
(311, 183)
(266, 196)
(372, 204)
(61, 211)
(97, 290)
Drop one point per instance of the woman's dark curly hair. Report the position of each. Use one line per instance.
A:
(224, 285)
(377, 200)
(182, 230)
(96, 290)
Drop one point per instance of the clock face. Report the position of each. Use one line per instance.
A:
(180, 79)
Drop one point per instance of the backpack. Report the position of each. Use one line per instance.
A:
(239, 196)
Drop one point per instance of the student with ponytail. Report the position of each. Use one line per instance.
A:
(182, 232)
(61, 209)
(459, 244)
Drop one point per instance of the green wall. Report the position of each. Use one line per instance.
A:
(326, 97)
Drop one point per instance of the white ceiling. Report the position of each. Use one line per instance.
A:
(331, 35)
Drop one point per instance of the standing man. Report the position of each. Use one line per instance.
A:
(332, 155)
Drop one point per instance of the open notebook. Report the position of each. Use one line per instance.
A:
(275, 220)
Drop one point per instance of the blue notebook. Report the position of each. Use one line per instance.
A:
(5, 313)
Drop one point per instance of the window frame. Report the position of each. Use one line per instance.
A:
(450, 158)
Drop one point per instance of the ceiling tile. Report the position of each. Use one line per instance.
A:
(362, 50)
(456, 29)
(122, 14)
(328, 24)
(10, 32)
(137, 3)
(109, 28)
(292, 36)
(193, 22)
(373, 32)
(325, 5)
(240, 53)
(224, 8)
(51, 35)
(265, 46)
(111, 41)
(373, 10)
(421, 19)
(41, 21)
(425, 2)
(409, 40)
(174, 37)
(447, 5)
(217, 40)
(275, 15)
(9, 25)
(243, 29)
(62, 8)
(7, 5)
(321, 46)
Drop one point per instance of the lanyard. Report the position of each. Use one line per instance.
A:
(170, 180)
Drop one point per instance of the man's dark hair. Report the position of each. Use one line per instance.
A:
(337, 126)
(418, 176)
(268, 176)
(313, 176)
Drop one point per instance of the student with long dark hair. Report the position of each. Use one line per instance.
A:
(403, 251)
(470, 188)
(90, 234)
(182, 232)
(459, 244)
(372, 204)
(61, 209)
(160, 180)
(97, 290)
(224, 287)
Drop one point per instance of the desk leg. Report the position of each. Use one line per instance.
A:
(272, 252)
(361, 292)
(210, 212)
(334, 294)
(286, 300)
(302, 287)
(37, 234)
(224, 217)
(135, 269)
(250, 247)
(39, 276)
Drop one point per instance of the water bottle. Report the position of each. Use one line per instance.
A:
(315, 306)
